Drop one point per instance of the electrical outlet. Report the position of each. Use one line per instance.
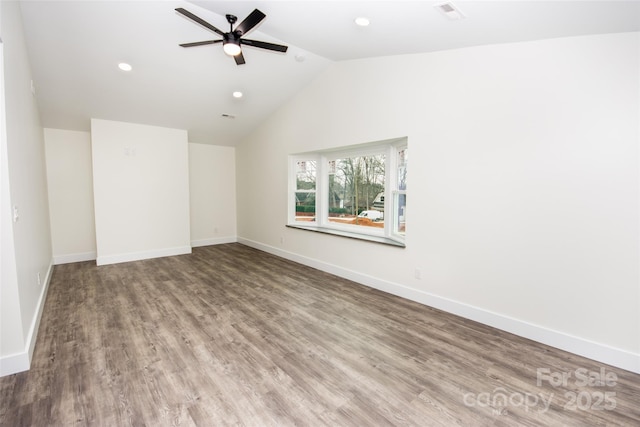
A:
(215, 230)
(16, 214)
(281, 239)
(39, 282)
(418, 274)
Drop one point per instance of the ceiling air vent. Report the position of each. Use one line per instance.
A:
(450, 10)
(228, 116)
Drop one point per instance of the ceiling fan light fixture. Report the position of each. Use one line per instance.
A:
(231, 48)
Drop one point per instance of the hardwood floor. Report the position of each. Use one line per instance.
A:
(233, 336)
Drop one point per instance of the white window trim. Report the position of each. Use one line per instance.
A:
(293, 187)
(322, 224)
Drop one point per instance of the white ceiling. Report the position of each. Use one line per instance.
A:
(75, 46)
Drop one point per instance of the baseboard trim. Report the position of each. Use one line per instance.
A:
(596, 351)
(213, 241)
(20, 362)
(71, 258)
(35, 324)
(14, 363)
(137, 256)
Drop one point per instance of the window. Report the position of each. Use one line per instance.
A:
(400, 192)
(305, 195)
(356, 192)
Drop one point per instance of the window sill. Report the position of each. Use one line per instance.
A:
(348, 234)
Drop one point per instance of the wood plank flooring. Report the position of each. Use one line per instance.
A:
(233, 336)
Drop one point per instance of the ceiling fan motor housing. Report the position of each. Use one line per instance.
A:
(231, 38)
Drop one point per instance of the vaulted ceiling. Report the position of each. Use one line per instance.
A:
(75, 48)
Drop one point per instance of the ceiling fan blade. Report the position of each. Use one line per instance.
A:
(200, 43)
(199, 20)
(250, 21)
(264, 45)
(239, 59)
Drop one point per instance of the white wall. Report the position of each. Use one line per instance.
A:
(141, 191)
(212, 186)
(212, 194)
(26, 243)
(11, 334)
(523, 184)
(70, 184)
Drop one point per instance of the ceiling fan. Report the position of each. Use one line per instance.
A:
(232, 40)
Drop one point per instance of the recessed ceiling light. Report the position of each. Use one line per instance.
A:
(125, 67)
(362, 21)
(237, 94)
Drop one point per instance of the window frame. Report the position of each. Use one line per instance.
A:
(293, 186)
(388, 234)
